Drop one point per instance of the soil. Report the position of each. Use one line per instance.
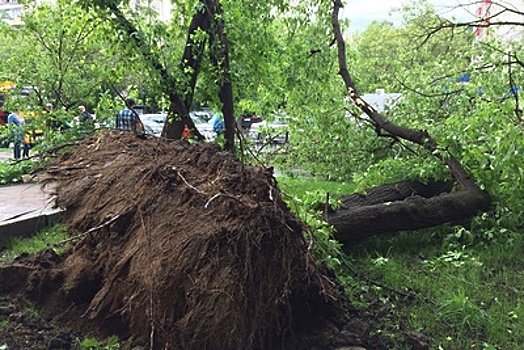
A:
(174, 246)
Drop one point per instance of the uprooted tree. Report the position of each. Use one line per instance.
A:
(182, 247)
(349, 221)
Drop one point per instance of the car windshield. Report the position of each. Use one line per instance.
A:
(197, 119)
(154, 121)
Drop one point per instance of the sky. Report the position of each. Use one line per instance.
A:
(362, 12)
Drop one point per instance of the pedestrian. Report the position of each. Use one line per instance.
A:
(85, 119)
(28, 143)
(127, 119)
(218, 123)
(15, 123)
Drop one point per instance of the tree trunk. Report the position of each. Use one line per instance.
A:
(219, 46)
(407, 205)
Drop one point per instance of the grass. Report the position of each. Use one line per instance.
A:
(294, 186)
(44, 239)
(466, 291)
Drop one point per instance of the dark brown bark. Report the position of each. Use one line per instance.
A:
(395, 192)
(407, 205)
(220, 59)
(414, 212)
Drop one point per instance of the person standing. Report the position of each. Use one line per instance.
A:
(15, 123)
(218, 123)
(28, 142)
(85, 119)
(127, 119)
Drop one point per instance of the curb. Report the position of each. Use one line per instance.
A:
(27, 225)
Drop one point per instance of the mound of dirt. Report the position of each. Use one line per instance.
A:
(180, 246)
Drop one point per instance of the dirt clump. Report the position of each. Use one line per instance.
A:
(180, 246)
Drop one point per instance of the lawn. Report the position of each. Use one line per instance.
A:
(462, 287)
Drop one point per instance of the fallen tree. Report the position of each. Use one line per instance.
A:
(388, 208)
(413, 212)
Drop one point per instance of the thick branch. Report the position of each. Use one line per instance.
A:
(413, 213)
(417, 212)
(220, 59)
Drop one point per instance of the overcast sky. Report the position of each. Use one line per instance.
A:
(363, 12)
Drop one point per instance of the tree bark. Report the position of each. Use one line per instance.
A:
(404, 206)
(219, 46)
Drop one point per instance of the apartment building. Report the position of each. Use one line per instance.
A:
(511, 12)
(10, 12)
(502, 20)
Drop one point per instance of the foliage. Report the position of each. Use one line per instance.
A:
(11, 172)
(461, 295)
(281, 60)
(112, 343)
(477, 119)
(456, 285)
(307, 205)
(75, 64)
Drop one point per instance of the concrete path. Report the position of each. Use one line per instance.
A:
(23, 199)
(25, 208)
(5, 155)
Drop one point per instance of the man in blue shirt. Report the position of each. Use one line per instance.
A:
(15, 122)
(218, 123)
(127, 119)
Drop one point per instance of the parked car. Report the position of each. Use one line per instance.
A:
(204, 113)
(275, 132)
(204, 126)
(154, 123)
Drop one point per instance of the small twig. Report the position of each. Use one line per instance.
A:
(91, 230)
(224, 195)
(187, 183)
(326, 207)
(211, 199)
(311, 239)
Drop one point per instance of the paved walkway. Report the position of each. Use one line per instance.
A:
(4, 155)
(17, 201)
(25, 208)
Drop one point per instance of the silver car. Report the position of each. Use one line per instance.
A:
(275, 132)
(154, 123)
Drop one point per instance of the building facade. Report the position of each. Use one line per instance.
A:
(10, 11)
